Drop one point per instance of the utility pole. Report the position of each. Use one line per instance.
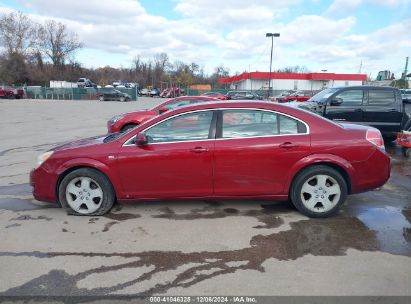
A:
(272, 35)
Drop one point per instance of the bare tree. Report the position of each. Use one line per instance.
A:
(161, 61)
(294, 69)
(17, 33)
(57, 43)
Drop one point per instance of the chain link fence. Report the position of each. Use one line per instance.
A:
(71, 93)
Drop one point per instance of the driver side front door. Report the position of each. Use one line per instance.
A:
(176, 161)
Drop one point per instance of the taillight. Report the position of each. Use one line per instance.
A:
(374, 136)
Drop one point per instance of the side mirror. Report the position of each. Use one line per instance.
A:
(336, 101)
(141, 139)
(162, 110)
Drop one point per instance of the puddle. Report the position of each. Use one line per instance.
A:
(393, 229)
(318, 237)
(266, 215)
(30, 218)
(19, 204)
(108, 226)
(18, 189)
(122, 216)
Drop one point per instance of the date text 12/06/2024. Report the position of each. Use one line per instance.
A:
(202, 299)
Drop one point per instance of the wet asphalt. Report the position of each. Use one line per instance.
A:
(188, 248)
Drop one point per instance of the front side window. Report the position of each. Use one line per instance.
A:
(378, 97)
(252, 123)
(351, 97)
(186, 127)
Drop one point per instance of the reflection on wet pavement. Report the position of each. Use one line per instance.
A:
(19, 197)
(326, 237)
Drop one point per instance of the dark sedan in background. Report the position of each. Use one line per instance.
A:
(112, 94)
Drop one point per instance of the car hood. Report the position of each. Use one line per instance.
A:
(308, 105)
(139, 113)
(91, 141)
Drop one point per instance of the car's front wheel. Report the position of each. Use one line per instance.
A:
(101, 98)
(122, 99)
(318, 191)
(86, 191)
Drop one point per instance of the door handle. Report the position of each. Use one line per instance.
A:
(358, 110)
(288, 145)
(199, 150)
(392, 110)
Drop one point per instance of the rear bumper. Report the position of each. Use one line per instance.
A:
(372, 173)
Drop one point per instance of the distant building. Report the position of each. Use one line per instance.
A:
(291, 81)
(385, 75)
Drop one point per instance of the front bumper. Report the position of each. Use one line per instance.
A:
(44, 185)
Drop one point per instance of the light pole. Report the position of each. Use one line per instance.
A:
(272, 35)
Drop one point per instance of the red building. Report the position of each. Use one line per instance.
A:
(291, 81)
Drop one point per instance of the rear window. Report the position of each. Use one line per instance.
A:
(380, 97)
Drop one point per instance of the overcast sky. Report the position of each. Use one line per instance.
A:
(321, 35)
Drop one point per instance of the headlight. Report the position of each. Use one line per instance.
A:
(116, 118)
(43, 157)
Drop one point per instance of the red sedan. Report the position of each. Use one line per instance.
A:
(297, 96)
(219, 150)
(126, 121)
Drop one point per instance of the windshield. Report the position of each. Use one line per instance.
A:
(114, 136)
(323, 95)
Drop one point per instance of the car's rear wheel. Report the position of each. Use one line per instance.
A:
(122, 99)
(86, 191)
(11, 96)
(318, 191)
(128, 127)
(101, 98)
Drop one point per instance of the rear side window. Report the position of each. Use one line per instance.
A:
(254, 123)
(381, 97)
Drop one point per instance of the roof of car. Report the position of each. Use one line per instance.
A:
(366, 87)
(233, 104)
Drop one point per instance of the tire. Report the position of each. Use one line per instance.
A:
(101, 98)
(128, 127)
(310, 188)
(122, 99)
(86, 191)
(11, 96)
